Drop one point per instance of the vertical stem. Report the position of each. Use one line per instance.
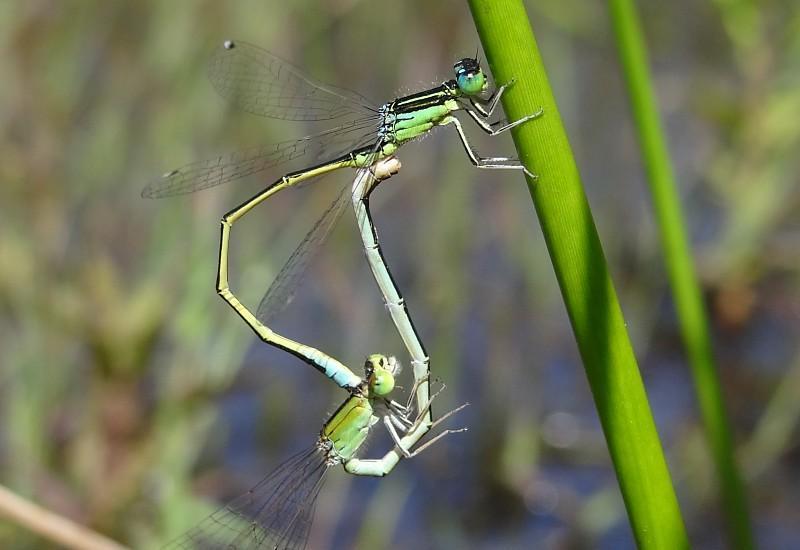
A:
(678, 260)
(583, 277)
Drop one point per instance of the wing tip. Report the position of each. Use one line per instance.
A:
(156, 189)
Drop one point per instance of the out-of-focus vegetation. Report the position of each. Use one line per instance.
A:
(131, 397)
(686, 291)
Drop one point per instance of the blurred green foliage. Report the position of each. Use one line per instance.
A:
(131, 397)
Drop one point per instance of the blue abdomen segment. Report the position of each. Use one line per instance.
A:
(332, 368)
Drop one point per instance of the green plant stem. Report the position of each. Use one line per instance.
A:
(583, 277)
(680, 268)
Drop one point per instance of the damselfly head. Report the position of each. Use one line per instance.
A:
(470, 77)
(380, 371)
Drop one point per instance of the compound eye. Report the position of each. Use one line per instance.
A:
(471, 83)
(381, 382)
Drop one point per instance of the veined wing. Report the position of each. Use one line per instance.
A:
(258, 82)
(281, 291)
(216, 171)
(275, 514)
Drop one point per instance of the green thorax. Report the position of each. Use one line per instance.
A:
(414, 115)
(407, 118)
(349, 426)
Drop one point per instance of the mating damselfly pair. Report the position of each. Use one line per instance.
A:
(277, 513)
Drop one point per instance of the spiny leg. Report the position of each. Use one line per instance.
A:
(399, 415)
(485, 163)
(388, 422)
(436, 438)
(396, 407)
(400, 421)
(489, 128)
(390, 427)
(422, 414)
(418, 450)
(417, 384)
(492, 102)
(381, 467)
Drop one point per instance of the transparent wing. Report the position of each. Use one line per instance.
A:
(216, 171)
(281, 292)
(260, 83)
(276, 514)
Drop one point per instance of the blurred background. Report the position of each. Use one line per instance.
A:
(133, 400)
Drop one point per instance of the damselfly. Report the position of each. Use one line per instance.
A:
(277, 513)
(259, 82)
